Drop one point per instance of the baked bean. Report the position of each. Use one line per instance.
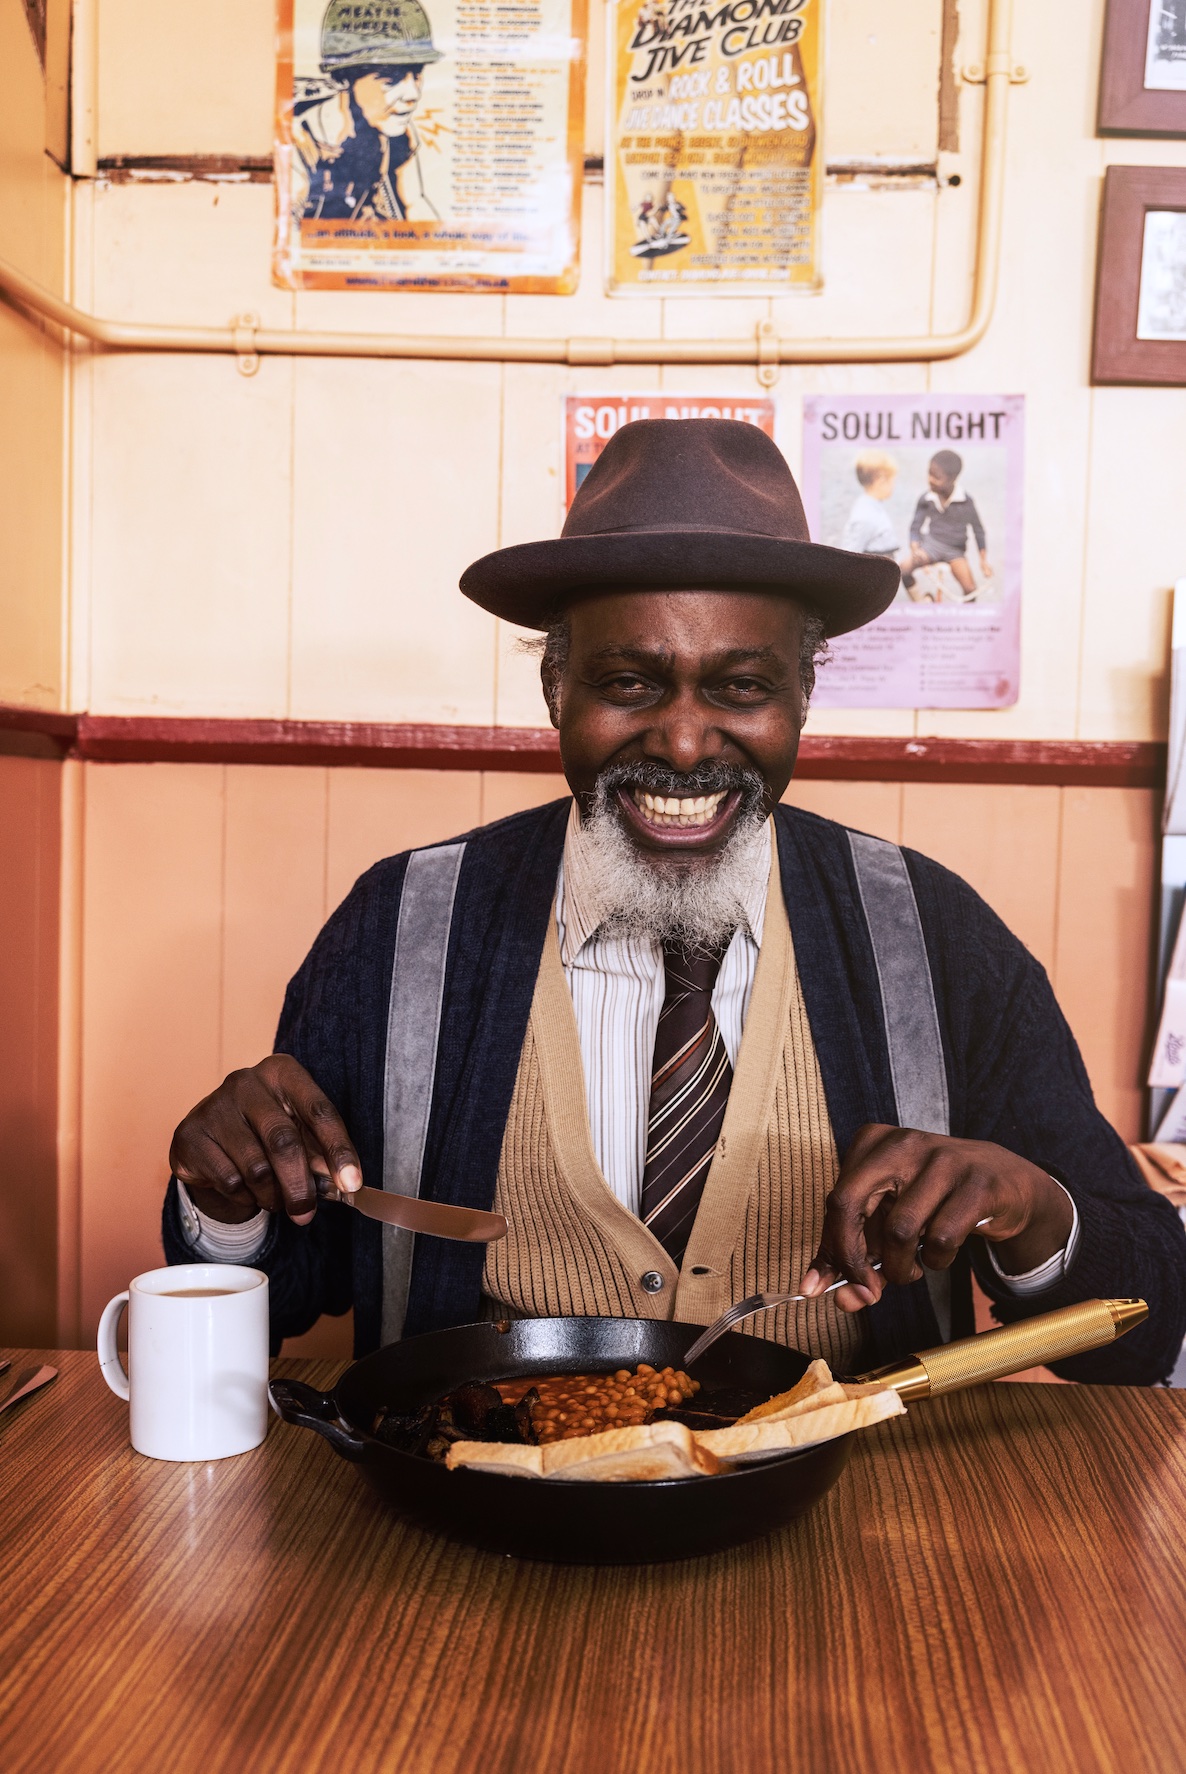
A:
(570, 1405)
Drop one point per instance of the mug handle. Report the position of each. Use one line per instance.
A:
(110, 1365)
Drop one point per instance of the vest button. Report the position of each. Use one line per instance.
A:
(652, 1281)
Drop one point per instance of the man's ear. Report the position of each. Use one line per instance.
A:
(550, 679)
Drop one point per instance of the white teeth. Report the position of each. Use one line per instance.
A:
(678, 810)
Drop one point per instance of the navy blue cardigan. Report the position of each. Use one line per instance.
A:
(1013, 1070)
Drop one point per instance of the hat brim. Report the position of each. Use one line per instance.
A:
(528, 583)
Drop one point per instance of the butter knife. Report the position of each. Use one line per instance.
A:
(435, 1218)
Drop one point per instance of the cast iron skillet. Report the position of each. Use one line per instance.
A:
(568, 1522)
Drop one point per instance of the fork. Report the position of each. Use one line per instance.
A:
(764, 1303)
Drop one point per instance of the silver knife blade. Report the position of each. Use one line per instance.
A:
(435, 1218)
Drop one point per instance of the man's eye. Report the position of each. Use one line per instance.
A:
(626, 683)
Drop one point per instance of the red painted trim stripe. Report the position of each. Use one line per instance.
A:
(152, 739)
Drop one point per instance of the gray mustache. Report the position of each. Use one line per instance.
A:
(706, 779)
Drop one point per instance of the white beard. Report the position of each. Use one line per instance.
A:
(698, 906)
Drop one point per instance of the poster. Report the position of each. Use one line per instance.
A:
(714, 146)
(590, 420)
(935, 482)
(429, 144)
(1165, 49)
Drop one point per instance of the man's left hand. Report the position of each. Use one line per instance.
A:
(909, 1200)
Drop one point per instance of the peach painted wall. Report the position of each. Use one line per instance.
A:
(204, 886)
(29, 858)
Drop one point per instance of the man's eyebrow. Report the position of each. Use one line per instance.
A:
(731, 656)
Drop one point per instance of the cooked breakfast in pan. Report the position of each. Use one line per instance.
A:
(631, 1425)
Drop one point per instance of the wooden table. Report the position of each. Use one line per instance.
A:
(997, 1582)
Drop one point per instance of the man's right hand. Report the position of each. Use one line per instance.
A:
(258, 1140)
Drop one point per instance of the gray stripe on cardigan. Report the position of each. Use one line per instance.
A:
(908, 1003)
(413, 1028)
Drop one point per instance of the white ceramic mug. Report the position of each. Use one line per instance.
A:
(197, 1378)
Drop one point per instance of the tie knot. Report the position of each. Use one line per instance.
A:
(691, 970)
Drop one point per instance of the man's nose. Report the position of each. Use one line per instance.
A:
(682, 735)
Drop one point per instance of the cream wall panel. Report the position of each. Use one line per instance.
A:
(185, 79)
(377, 813)
(191, 533)
(274, 886)
(1003, 841)
(1103, 955)
(193, 253)
(590, 313)
(395, 472)
(882, 96)
(1136, 505)
(152, 996)
(32, 235)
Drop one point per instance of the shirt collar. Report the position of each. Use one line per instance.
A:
(581, 908)
(957, 495)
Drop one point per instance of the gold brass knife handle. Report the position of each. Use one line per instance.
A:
(1035, 1342)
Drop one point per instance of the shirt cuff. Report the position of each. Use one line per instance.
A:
(1047, 1274)
(215, 1240)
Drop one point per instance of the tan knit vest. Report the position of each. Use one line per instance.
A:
(572, 1248)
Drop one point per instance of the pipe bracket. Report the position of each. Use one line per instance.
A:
(979, 73)
(769, 363)
(243, 330)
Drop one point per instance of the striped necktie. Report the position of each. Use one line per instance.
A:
(690, 1082)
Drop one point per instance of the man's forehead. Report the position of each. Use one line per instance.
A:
(709, 621)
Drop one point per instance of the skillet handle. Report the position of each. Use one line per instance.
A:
(310, 1409)
(1033, 1342)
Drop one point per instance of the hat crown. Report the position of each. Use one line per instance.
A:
(676, 475)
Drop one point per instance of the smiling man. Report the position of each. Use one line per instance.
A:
(692, 1043)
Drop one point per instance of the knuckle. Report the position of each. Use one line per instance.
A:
(282, 1139)
(942, 1244)
(902, 1233)
(260, 1171)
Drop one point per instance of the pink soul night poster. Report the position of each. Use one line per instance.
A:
(935, 483)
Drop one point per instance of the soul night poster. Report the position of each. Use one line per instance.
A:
(933, 482)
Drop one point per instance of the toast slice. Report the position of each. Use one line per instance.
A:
(645, 1451)
(509, 1458)
(818, 1379)
(745, 1442)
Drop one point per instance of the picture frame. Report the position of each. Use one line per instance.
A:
(1143, 69)
(1140, 302)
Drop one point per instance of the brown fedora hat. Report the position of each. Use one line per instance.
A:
(684, 505)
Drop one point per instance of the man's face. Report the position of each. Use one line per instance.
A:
(941, 484)
(667, 682)
(387, 101)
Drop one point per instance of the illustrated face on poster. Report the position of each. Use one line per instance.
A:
(418, 147)
(590, 420)
(933, 483)
(1165, 54)
(714, 160)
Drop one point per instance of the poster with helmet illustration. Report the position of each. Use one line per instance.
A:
(714, 146)
(429, 144)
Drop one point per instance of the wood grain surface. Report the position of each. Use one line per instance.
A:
(997, 1582)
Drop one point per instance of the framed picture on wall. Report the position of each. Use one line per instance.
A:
(1143, 72)
(1140, 299)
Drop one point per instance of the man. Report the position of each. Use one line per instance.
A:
(939, 529)
(352, 148)
(646, 1024)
